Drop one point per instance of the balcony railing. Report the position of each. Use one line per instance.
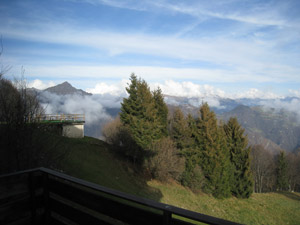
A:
(61, 118)
(43, 196)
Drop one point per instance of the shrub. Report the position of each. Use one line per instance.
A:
(165, 163)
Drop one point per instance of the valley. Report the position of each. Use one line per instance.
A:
(274, 128)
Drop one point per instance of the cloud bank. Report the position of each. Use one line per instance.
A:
(292, 105)
(91, 106)
(40, 85)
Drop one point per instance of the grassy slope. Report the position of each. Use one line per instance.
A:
(92, 160)
(267, 208)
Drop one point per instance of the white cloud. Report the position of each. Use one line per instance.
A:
(150, 73)
(279, 104)
(211, 101)
(117, 89)
(255, 93)
(91, 106)
(262, 13)
(38, 84)
(243, 59)
(207, 93)
(188, 89)
(295, 93)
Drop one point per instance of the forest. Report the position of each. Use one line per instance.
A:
(201, 153)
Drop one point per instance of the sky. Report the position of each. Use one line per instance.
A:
(232, 48)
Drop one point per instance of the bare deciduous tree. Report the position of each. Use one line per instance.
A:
(263, 168)
(165, 164)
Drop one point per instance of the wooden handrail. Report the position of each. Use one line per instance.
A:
(59, 183)
(61, 117)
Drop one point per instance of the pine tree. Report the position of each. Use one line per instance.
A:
(140, 115)
(180, 131)
(162, 111)
(223, 170)
(281, 172)
(242, 180)
(213, 153)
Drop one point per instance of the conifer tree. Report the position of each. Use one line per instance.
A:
(213, 152)
(180, 131)
(242, 180)
(139, 114)
(281, 172)
(162, 111)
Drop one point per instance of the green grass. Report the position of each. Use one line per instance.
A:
(266, 208)
(92, 160)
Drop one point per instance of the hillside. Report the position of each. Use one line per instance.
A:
(93, 160)
(274, 129)
(270, 128)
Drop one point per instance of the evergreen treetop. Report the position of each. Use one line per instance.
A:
(162, 111)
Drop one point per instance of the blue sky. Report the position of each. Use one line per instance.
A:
(232, 48)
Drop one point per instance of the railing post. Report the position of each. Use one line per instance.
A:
(167, 217)
(46, 198)
(31, 187)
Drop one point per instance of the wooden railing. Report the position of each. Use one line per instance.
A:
(43, 196)
(61, 117)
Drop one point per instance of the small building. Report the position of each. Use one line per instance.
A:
(67, 125)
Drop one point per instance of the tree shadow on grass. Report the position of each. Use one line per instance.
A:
(291, 195)
(96, 161)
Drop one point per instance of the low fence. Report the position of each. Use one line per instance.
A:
(43, 196)
(61, 117)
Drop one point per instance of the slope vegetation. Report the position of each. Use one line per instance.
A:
(93, 160)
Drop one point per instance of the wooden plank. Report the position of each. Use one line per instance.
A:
(181, 222)
(20, 172)
(14, 211)
(17, 209)
(25, 221)
(76, 215)
(46, 218)
(55, 221)
(112, 208)
(22, 221)
(13, 198)
(16, 184)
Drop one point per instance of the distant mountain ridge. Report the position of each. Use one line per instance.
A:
(66, 88)
(280, 128)
(275, 130)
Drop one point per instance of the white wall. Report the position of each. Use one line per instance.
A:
(73, 130)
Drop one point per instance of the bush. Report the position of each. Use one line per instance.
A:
(111, 131)
(118, 135)
(165, 163)
(193, 179)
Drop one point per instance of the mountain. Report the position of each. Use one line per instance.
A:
(274, 129)
(66, 89)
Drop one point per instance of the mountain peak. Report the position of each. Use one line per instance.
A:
(66, 83)
(66, 88)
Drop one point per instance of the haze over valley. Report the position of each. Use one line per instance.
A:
(273, 123)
